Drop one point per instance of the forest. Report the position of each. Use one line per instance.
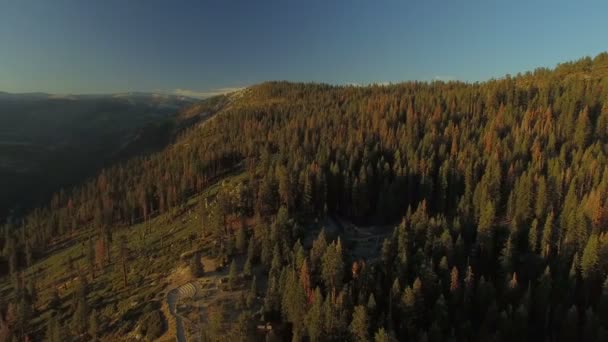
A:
(494, 193)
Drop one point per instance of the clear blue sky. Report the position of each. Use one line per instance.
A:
(83, 46)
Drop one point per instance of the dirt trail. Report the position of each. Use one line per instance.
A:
(171, 325)
(172, 298)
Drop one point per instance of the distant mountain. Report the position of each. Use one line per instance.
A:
(23, 96)
(49, 141)
(147, 97)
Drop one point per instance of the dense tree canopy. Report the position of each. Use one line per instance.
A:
(498, 190)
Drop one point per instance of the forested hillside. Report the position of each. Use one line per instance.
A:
(496, 192)
(49, 142)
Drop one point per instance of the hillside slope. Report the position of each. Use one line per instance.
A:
(49, 142)
(416, 211)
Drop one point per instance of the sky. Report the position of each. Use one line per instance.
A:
(203, 47)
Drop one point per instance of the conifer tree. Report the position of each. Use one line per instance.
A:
(241, 239)
(94, 325)
(360, 324)
(590, 259)
(333, 266)
(314, 317)
(233, 274)
(583, 129)
(196, 267)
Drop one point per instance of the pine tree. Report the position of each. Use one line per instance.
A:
(590, 259)
(360, 324)
(569, 328)
(53, 330)
(80, 317)
(547, 238)
(294, 303)
(583, 129)
(533, 237)
(333, 266)
(371, 304)
(507, 257)
(542, 198)
(408, 300)
(440, 313)
(247, 268)
(601, 125)
(485, 227)
(196, 267)
(314, 317)
(454, 281)
(241, 239)
(215, 322)
(306, 280)
(243, 329)
(318, 250)
(253, 292)
(251, 254)
(91, 257)
(382, 336)
(94, 325)
(233, 275)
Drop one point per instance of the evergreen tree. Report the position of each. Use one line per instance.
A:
(583, 129)
(485, 227)
(53, 330)
(547, 237)
(196, 267)
(80, 317)
(318, 250)
(314, 317)
(533, 235)
(590, 259)
(233, 274)
(333, 266)
(94, 325)
(241, 239)
(247, 268)
(382, 336)
(91, 258)
(253, 292)
(360, 324)
(294, 304)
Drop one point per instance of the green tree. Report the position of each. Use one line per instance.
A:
(314, 317)
(247, 268)
(547, 237)
(318, 249)
(333, 266)
(243, 328)
(91, 257)
(53, 330)
(253, 292)
(533, 237)
(124, 256)
(590, 259)
(94, 325)
(233, 274)
(215, 323)
(382, 336)
(294, 304)
(485, 229)
(241, 239)
(196, 267)
(583, 131)
(80, 317)
(360, 324)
